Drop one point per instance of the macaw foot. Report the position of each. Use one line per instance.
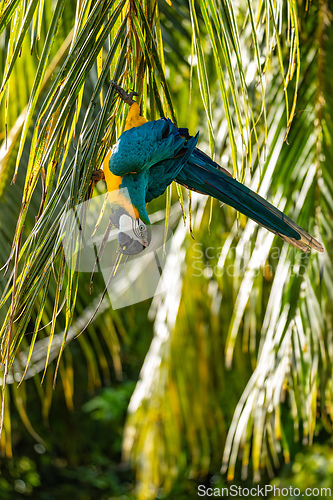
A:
(126, 97)
(97, 175)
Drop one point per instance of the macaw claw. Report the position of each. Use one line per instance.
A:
(125, 96)
(97, 175)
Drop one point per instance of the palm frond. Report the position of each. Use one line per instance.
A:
(272, 297)
(268, 308)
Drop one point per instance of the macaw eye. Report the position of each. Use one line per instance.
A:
(139, 228)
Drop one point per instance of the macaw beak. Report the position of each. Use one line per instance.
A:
(128, 245)
(133, 235)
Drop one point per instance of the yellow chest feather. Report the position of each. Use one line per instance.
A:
(134, 119)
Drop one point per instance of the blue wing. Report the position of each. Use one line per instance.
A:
(141, 148)
(164, 172)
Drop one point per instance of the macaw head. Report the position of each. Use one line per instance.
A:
(133, 233)
(128, 211)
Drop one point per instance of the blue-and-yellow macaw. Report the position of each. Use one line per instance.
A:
(149, 155)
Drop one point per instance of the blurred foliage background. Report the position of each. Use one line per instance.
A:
(232, 364)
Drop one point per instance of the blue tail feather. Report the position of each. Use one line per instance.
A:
(202, 174)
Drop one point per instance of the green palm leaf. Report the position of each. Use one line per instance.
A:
(266, 318)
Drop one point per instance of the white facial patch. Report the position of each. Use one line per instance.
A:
(126, 224)
(134, 228)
